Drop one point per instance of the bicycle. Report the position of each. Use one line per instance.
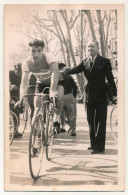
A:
(114, 122)
(41, 130)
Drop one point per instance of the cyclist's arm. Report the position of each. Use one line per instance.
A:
(54, 73)
(54, 77)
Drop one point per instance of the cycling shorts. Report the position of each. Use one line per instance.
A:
(40, 87)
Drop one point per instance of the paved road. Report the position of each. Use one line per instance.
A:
(72, 166)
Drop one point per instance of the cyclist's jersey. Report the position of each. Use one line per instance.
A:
(41, 70)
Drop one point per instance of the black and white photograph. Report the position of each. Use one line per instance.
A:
(64, 97)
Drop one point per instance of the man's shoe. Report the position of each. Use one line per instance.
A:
(97, 151)
(17, 134)
(73, 134)
(62, 130)
(35, 152)
(56, 127)
(90, 148)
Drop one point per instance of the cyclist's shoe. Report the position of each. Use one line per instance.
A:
(17, 134)
(35, 152)
(56, 127)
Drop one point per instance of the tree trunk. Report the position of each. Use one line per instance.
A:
(64, 15)
(82, 32)
(101, 33)
(88, 13)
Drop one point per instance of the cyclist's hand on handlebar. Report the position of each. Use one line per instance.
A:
(19, 107)
(52, 94)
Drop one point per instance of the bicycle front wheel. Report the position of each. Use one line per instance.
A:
(114, 122)
(49, 130)
(36, 147)
(13, 125)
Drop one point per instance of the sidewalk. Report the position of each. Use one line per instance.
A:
(72, 165)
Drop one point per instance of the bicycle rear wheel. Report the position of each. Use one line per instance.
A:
(114, 122)
(36, 137)
(49, 130)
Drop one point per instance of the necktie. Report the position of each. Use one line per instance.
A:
(91, 64)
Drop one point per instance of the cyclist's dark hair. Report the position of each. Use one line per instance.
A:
(37, 43)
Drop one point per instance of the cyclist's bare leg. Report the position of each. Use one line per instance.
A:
(37, 105)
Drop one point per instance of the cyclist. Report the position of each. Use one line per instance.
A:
(15, 80)
(14, 88)
(45, 68)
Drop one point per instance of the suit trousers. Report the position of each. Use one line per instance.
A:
(70, 111)
(97, 116)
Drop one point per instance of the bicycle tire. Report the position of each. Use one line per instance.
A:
(11, 128)
(49, 129)
(35, 162)
(24, 121)
(114, 122)
(13, 119)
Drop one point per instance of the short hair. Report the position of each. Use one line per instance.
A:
(37, 43)
(95, 41)
(61, 65)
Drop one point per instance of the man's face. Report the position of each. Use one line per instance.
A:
(17, 70)
(93, 48)
(36, 53)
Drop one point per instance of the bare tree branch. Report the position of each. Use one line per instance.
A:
(74, 20)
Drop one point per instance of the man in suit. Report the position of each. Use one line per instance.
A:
(96, 70)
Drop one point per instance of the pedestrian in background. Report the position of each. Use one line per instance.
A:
(70, 93)
(96, 70)
(15, 80)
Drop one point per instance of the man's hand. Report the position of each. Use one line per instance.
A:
(14, 87)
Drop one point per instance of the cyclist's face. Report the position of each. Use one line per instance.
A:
(36, 53)
(93, 49)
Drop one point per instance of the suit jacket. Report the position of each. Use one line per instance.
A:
(96, 88)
